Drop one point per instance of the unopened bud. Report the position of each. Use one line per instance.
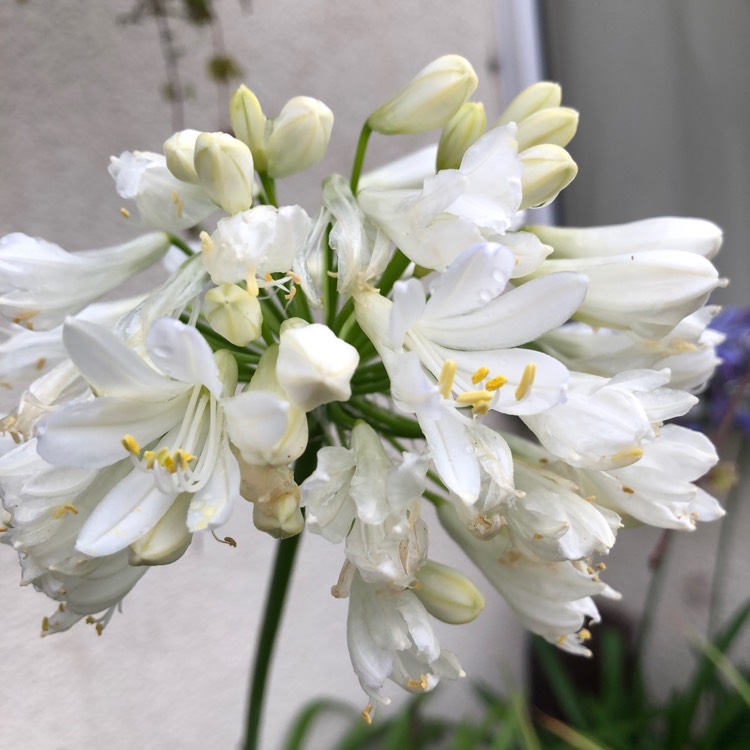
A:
(429, 100)
(225, 170)
(547, 169)
(538, 96)
(462, 131)
(180, 153)
(447, 594)
(556, 125)
(249, 124)
(281, 518)
(233, 313)
(275, 497)
(168, 540)
(314, 366)
(299, 136)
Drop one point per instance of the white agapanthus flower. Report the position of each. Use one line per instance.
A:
(340, 372)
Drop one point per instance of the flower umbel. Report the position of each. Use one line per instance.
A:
(340, 370)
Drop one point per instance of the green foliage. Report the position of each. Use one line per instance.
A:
(711, 711)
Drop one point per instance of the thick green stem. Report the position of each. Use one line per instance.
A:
(384, 420)
(393, 272)
(359, 157)
(282, 573)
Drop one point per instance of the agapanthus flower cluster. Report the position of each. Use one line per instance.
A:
(418, 340)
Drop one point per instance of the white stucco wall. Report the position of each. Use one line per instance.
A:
(172, 670)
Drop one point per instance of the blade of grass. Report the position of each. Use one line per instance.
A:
(567, 734)
(300, 730)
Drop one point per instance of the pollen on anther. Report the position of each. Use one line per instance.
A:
(40, 363)
(480, 374)
(99, 628)
(447, 374)
(628, 490)
(584, 634)
(124, 213)
(131, 444)
(63, 509)
(494, 384)
(527, 380)
(366, 714)
(45, 624)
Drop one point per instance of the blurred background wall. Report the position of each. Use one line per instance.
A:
(664, 102)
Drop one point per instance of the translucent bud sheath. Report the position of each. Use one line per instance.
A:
(429, 100)
(225, 168)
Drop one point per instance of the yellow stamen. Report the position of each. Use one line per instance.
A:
(207, 244)
(40, 363)
(89, 620)
(3, 529)
(131, 445)
(252, 285)
(421, 683)
(584, 634)
(99, 628)
(629, 454)
(495, 383)
(124, 213)
(178, 203)
(538, 536)
(601, 566)
(590, 498)
(480, 375)
(45, 624)
(169, 464)
(366, 714)
(447, 374)
(183, 458)
(291, 294)
(628, 490)
(527, 380)
(61, 607)
(63, 509)
(474, 397)
(150, 458)
(268, 277)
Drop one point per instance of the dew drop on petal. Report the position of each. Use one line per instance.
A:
(485, 295)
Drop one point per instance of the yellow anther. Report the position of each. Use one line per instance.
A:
(45, 624)
(89, 620)
(131, 445)
(590, 498)
(268, 277)
(493, 384)
(63, 509)
(207, 244)
(289, 297)
(589, 570)
(169, 464)
(40, 363)
(61, 607)
(150, 458)
(421, 683)
(584, 634)
(473, 397)
(562, 640)
(538, 536)
(252, 285)
(99, 628)
(629, 454)
(601, 566)
(295, 277)
(628, 490)
(480, 375)
(447, 375)
(3, 529)
(24, 315)
(527, 380)
(230, 541)
(124, 213)
(366, 714)
(177, 203)
(183, 458)
(481, 407)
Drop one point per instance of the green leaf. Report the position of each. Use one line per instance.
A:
(300, 730)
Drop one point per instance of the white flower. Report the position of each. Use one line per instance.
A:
(314, 366)
(659, 488)
(648, 292)
(552, 599)
(261, 240)
(41, 284)
(470, 318)
(390, 635)
(163, 201)
(224, 166)
(178, 413)
(456, 207)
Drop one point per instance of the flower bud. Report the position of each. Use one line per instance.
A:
(547, 169)
(556, 125)
(180, 152)
(447, 594)
(462, 131)
(429, 100)
(299, 136)
(538, 96)
(280, 518)
(233, 313)
(249, 124)
(168, 540)
(315, 366)
(225, 169)
(275, 497)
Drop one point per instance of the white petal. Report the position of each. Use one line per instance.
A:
(212, 505)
